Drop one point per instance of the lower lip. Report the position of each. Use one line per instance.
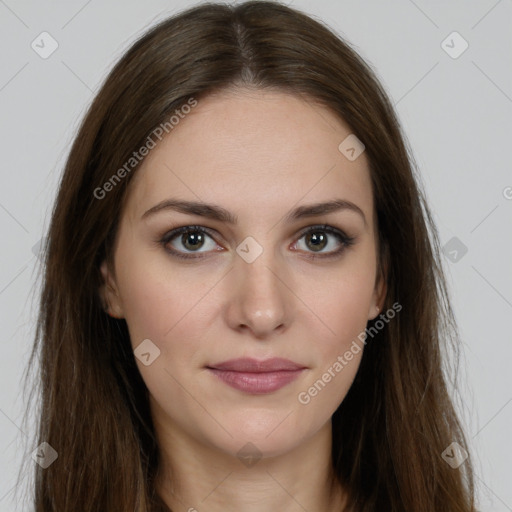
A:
(257, 383)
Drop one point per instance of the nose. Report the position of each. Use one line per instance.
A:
(260, 301)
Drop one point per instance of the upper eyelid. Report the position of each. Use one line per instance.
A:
(175, 232)
(191, 227)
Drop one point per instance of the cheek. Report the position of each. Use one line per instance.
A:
(345, 310)
(342, 303)
(339, 353)
(343, 299)
(150, 307)
(169, 305)
(180, 309)
(166, 307)
(158, 300)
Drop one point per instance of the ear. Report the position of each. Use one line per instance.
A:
(379, 292)
(109, 292)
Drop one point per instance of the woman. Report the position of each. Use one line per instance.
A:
(243, 303)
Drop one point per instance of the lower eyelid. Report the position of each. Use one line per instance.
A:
(344, 240)
(169, 237)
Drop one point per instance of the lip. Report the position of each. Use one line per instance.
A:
(247, 364)
(257, 377)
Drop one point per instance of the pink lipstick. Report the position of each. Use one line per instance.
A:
(257, 377)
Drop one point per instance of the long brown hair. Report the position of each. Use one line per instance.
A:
(390, 431)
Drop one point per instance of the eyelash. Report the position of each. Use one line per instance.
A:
(345, 240)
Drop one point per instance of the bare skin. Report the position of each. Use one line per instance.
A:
(258, 155)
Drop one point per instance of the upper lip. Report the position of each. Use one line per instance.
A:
(274, 364)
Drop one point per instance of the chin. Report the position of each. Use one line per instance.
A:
(265, 434)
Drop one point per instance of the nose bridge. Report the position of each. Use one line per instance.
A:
(260, 299)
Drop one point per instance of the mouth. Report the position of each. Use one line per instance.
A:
(257, 377)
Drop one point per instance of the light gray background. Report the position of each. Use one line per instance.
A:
(456, 114)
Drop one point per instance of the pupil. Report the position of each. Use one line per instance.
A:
(196, 240)
(319, 240)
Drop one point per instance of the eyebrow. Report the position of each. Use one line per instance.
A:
(219, 213)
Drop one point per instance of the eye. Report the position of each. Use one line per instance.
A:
(317, 238)
(190, 242)
(187, 240)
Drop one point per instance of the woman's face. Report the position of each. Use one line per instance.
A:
(260, 282)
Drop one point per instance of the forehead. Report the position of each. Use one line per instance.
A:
(253, 149)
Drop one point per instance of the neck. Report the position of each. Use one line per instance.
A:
(194, 477)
